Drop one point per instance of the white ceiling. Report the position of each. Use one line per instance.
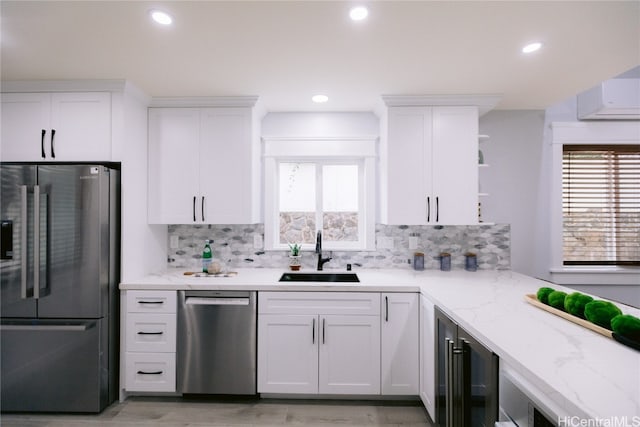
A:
(287, 51)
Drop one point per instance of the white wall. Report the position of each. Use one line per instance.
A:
(519, 153)
(144, 247)
(320, 124)
(514, 154)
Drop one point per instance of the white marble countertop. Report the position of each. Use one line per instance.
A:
(579, 372)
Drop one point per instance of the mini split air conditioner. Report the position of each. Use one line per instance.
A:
(615, 99)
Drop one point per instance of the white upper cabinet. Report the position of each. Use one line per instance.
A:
(429, 163)
(455, 164)
(174, 166)
(202, 166)
(58, 126)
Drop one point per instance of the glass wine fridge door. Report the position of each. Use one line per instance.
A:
(466, 378)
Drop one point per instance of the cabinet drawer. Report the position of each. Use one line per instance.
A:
(151, 332)
(362, 303)
(150, 372)
(151, 301)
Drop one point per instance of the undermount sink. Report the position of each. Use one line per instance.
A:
(319, 277)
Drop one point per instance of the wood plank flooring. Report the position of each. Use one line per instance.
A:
(174, 412)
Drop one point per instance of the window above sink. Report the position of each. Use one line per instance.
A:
(320, 184)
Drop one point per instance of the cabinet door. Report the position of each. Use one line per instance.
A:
(174, 135)
(349, 355)
(82, 125)
(408, 159)
(287, 353)
(26, 119)
(400, 353)
(455, 165)
(225, 165)
(427, 356)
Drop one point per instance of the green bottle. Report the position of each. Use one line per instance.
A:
(206, 256)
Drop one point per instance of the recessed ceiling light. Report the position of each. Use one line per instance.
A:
(358, 13)
(161, 17)
(531, 47)
(319, 99)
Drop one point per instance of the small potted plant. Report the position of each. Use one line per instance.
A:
(294, 257)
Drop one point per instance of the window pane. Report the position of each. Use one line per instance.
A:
(340, 202)
(601, 205)
(297, 202)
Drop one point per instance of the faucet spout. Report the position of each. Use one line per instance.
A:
(321, 261)
(319, 242)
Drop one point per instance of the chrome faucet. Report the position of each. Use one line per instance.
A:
(321, 261)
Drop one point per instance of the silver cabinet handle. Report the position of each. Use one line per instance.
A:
(202, 208)
(437, 209)
(23, 241)
(313, 331)
(194, 208)
(149, 333)
(36, 241)
(150, 372)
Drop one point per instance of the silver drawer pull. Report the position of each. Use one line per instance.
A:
(150, 333)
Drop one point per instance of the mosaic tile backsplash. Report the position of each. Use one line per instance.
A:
(233, 247)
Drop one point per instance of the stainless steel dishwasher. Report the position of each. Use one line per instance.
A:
(216, 352)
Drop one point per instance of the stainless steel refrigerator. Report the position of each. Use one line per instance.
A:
(59, 271)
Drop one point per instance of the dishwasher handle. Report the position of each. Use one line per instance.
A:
(216, 301)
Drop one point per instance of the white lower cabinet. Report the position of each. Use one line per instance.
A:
(319, 342)
(149, 330)
(427, 356)
(349, 361)
(150, 372)
(400, 336)
(287, 353)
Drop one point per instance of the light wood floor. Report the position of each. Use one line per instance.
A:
(170, 412)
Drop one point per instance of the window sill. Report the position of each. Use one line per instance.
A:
(596, 275)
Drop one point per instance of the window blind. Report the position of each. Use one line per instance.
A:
(601, 204)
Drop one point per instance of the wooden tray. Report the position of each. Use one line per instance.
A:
(533, 300)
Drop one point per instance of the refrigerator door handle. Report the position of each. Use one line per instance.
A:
(36, 241)
(23, 242)
(59, 327)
